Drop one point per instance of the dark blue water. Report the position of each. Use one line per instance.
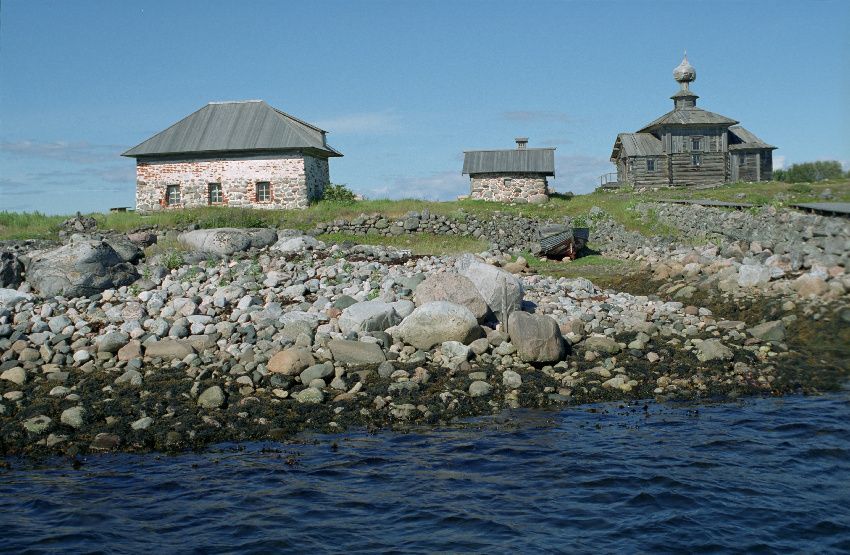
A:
(763, 475)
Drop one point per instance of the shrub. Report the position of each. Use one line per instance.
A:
(339, 193)
(803, 188)
(814, 171)
(172, 259)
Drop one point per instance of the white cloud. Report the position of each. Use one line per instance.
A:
(81, 152)
(386, 121)
(579, 173)
(446, 185)
(778, 162)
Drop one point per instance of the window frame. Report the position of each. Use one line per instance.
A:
(170, 195)
(698, 141)
(696, 159)
(218, 189)
(268, 188)
(650, 162)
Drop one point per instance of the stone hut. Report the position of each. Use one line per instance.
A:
(690, 146)
(515, 175)
(245, 154)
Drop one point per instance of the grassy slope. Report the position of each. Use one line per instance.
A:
(619, 204)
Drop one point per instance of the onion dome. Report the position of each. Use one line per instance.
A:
(685, 72)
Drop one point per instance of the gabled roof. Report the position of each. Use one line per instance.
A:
(689, 116)
(740, 138)
(526, 160)
(250, 125)
(636, 144)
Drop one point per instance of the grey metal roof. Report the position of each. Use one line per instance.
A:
(528, 160)
(741, 138)
(236, 126)
(636, 144)
(689, 116)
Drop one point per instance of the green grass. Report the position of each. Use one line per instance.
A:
(619, 204)
(419, 243)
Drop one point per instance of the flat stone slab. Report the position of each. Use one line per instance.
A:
(832, 208)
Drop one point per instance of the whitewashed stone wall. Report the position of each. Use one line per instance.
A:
(509, 187)
(295, 179)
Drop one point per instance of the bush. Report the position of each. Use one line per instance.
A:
(814, 171)
(339, 193)
(803, 188)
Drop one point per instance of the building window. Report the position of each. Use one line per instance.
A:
(172, 195)
(696, 144)
(214, 194)
(650, 165)
(264, 191)
(696, 160)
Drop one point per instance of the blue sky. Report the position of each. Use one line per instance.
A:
(404, 87)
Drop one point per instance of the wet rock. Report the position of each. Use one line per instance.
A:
(433, 323)
(105, 442)
(291, 361)
(713, 349)
(536, 337)
(769, 331)
(356, 353)
(211, 398)
(37, 424)
(368, 316)
(73, 417)
(453, 288)
(601, 344)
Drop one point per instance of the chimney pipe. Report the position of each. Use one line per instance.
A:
(521, 143)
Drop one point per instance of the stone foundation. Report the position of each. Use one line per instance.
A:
(509, 187)
(295, 180)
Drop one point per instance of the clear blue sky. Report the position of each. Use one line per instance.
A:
(404, 87)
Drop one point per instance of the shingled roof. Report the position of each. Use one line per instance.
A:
(526, 160)
(689, 116)
(636, 144)
(250, 125)
(741, 138)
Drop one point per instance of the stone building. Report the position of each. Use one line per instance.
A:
(514, 175)
(690, 146)
(245, 154)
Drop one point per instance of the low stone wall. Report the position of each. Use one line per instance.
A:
(294, 180)
(509, 187)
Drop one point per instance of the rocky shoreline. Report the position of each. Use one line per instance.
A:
(262, 334)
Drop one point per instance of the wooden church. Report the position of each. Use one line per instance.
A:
(689, 146)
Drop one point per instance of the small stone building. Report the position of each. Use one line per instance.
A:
(245, 154)
(517, 175)
(690, 146)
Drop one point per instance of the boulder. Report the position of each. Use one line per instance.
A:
(292, 245)
(11, 297)
(368, 316)
(713, 349)
(601, 344)
(211, 398)
(769, 331)
(320, 371)
(291, 361)
(435, 322)
(168, 349)
(453, 288)
(501, 290)
(226, 241)
(356, 352)
(536, 337)
(753, 276)
(79, 269)
(126, 249)
(112, 342)
(809, 285)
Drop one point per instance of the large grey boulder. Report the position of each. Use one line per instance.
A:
(126, 249)
(769, 331)
(368, 316)
(356, 353)
(537, 338)
(436, 322)
(453, 288)
(753, 276)
(79, 269)
(713, 349)
(501, 290)
(168, 349)
(292, 245)
(226, 240)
